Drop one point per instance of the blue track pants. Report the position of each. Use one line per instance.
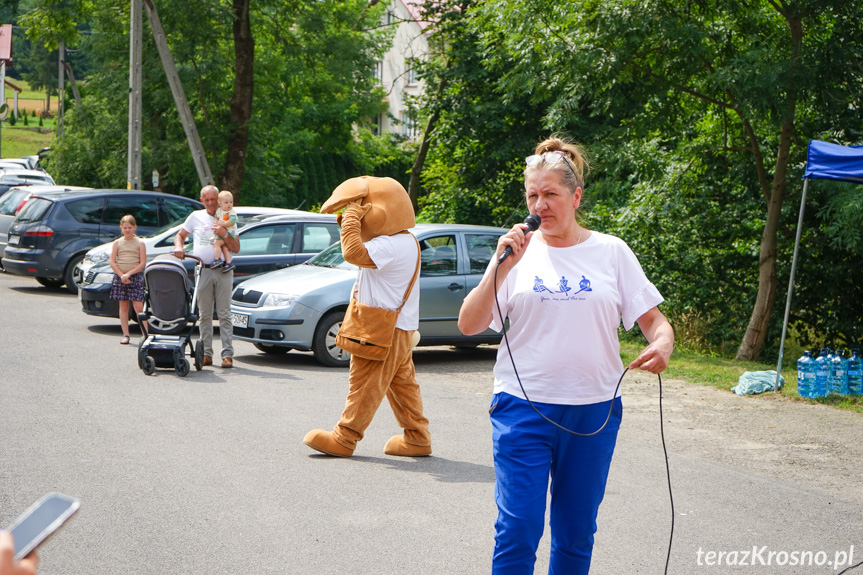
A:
(527, 452)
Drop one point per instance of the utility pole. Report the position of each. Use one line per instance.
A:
(183, 110)
(135, 46)
(2, 97)
(5, 56)
(61, 87)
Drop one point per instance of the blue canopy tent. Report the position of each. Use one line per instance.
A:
(824, 161)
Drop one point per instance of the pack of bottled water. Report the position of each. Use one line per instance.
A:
(830, 372)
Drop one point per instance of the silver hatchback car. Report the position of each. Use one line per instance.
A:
(302, 307)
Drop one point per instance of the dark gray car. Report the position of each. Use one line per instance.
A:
(52, 232)
(13, 200)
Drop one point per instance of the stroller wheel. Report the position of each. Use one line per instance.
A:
(148, 365)
(182, 367)
(199, 355)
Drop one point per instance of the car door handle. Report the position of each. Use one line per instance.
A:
(455, 286)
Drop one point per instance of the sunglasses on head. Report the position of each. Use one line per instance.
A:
(554, 157)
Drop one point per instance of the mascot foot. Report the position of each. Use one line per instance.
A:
(323, 441)
(397, 446)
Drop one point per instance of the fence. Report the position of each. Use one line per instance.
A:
(28, 104)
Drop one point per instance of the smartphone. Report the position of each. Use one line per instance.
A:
(42, 519)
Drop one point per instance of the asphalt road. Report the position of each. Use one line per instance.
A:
(208, 474)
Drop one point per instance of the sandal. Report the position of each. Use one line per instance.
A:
(125, 340)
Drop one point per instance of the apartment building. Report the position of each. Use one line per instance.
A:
(397, 72)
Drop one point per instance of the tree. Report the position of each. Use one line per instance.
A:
(241, 100)
(42, 71)
(276, 89)
(756, 71)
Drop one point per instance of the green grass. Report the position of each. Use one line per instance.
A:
(20, 141)
(27, 92)
(723, 373)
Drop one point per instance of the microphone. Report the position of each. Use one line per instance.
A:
(532, 222)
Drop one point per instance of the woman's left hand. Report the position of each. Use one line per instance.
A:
(654, 358)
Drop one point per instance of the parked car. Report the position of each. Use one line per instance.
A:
(15, 163)
(303, 307)
(32, 161)
(12, 202)
(53, 231)
(9, 182)
(272, 243)
(25, 174)
(161, 241)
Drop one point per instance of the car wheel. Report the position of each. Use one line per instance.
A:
(73, 275)
(324, 343)
(272, 349)
(49, 283)
(466, 346)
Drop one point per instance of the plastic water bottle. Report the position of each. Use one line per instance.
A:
(855, 371)
(821, 370)
(806, 375)
(839, 373)
(829, 357)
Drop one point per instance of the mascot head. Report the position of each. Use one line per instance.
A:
(391, 209)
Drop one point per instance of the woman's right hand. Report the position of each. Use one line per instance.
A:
(517, 239)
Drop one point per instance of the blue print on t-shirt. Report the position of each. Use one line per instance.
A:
(563, 286)
(538, 286)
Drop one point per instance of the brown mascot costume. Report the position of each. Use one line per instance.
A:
(377, 213)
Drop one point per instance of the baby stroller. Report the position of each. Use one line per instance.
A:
(169, 307)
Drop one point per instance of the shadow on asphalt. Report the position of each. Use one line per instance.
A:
(434, 355)
(444, 470)
(43, 291)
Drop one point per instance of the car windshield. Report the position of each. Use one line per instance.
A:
(330, 257)
(11, 200)
(34, 210)
(164, 229)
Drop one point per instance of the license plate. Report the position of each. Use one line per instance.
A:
(14, 240)
(239, 320)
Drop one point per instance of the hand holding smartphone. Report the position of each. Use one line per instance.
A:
(42, 519)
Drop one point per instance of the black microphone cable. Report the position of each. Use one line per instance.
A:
(607, 418)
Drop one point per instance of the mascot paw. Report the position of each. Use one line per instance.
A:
(355, 209)
(323, 441)
(397, 446)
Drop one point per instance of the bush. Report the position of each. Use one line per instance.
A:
(12, 119)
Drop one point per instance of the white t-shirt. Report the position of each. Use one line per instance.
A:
(564, 307)
(199, 225)
(396, 260)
